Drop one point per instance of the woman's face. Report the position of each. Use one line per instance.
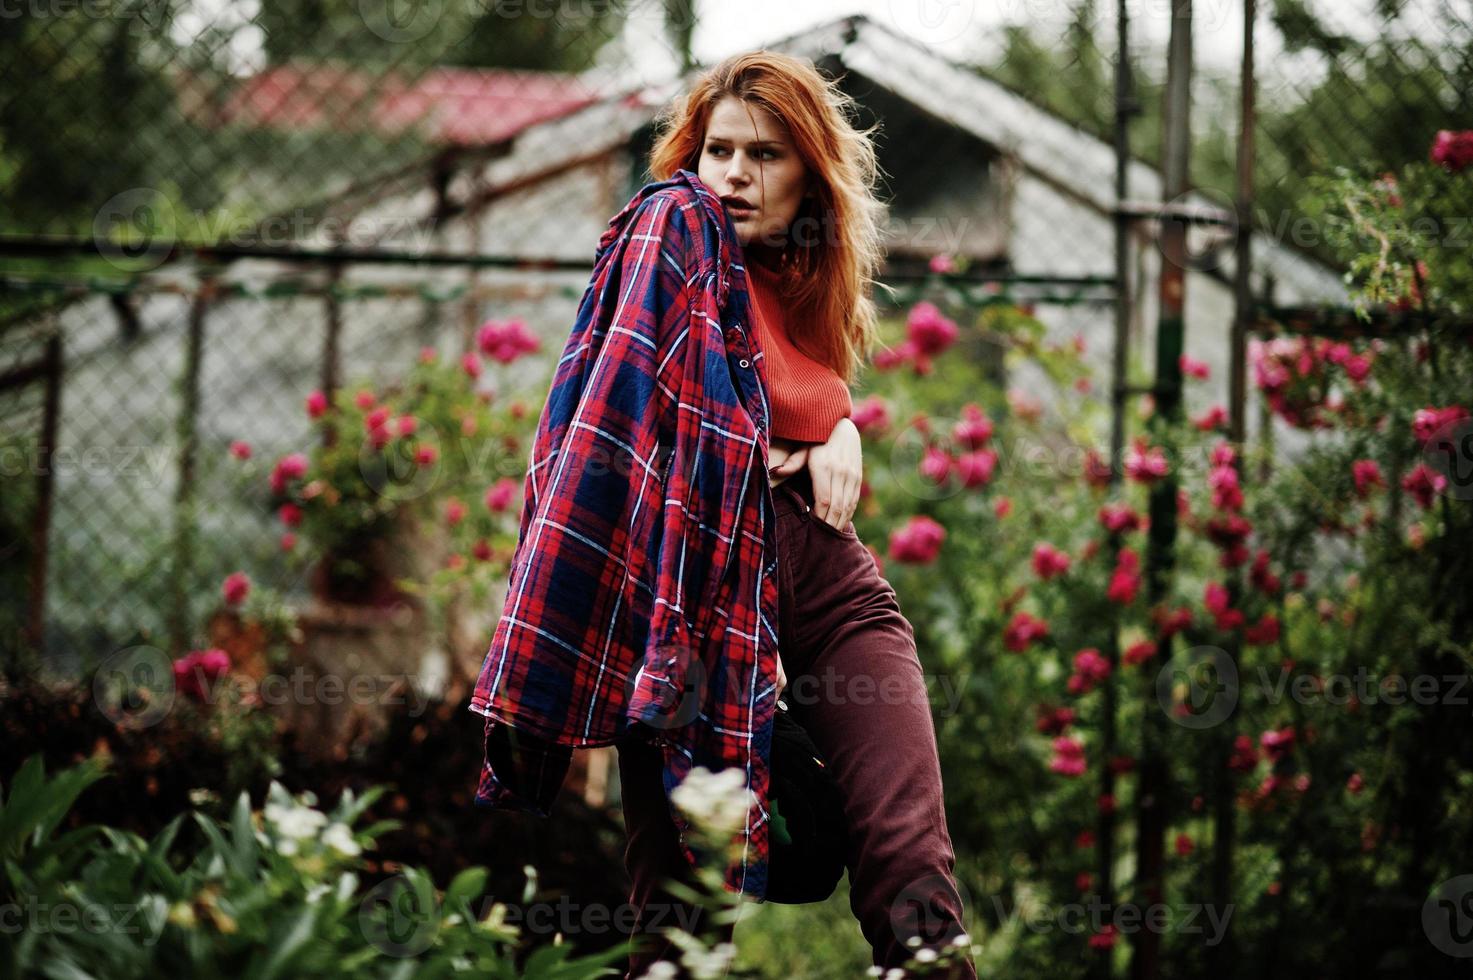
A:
(748, 154)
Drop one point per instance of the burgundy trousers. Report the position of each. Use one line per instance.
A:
(855, 683)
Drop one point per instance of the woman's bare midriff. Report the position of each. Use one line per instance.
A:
(779, 449)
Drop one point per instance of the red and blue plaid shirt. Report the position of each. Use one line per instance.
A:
(643, 588)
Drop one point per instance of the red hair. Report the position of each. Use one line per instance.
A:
(836, 234)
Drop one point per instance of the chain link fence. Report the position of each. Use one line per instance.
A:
(393, 175)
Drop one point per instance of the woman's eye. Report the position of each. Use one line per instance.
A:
(767, 154)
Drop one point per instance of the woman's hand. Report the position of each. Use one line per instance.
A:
(782, 678)
(836, 468)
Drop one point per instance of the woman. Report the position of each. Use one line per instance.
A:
(768, 136)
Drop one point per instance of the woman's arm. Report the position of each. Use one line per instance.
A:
(836, 468)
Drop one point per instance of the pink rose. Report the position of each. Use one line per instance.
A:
(928, 330)
(1023, 630)
(1427, 421)
(236, 587)
(1048, 561)
(1138, 653)
(290, 467)
(1145, 464)
(1263, 632)
(976, 468)
(1452, 150)
(1119, 518)
(1068, 758)
(871, 415)
(499, 495)
(1245, 755)
(1424, 484)
(975, 428)
(1193, 367)
(1367, 474)
(1090, 668)
(918, 542)
(1212, 419)
(506, 340)
(935, 465)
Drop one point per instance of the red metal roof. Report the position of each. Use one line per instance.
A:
(461, 106)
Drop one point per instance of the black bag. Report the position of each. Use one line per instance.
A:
(808, 835)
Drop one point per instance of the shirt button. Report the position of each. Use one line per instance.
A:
(745, 363)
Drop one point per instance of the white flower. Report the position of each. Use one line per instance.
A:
(316, 892)
(709, 964)
(340, 838)
(925, 955)
(199, 796)
(300, 822)
(717, 800)
(960, 939)
(664, 970)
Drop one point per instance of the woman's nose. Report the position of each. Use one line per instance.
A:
(736, 172)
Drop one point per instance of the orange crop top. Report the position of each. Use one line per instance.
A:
(807, 398)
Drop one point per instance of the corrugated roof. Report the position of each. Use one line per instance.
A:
(456, 106)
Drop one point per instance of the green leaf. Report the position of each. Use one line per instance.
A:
(35, 806)
(244, 851)
(465, 887)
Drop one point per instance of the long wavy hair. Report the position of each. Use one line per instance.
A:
(835, 238)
